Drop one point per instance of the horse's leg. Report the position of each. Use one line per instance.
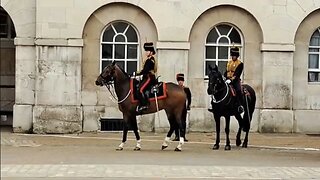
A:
(124, 135)
(217, 120)
(238, 137)
(227, 131)
(172, 128)
(246, 129)
(136, 133)
(178, 120)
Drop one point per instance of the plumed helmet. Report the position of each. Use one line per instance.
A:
(148, 46)
(234, 51)
(180, 77)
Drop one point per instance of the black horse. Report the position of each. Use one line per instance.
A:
(225, 104)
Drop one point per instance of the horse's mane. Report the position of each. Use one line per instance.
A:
(124, 72)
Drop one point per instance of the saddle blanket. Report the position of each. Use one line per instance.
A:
(161, 89)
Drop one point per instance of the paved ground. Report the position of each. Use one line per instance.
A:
(93, 156)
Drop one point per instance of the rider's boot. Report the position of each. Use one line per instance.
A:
(143, 103)
(240, 102)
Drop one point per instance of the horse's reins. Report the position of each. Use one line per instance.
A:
(108, 85)
(213, 98)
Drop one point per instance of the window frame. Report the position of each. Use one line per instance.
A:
(217, 45)
(126, 43)
(316, 70)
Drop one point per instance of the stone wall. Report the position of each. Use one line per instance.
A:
(57, 59)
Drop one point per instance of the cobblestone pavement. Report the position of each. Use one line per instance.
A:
(93, 156)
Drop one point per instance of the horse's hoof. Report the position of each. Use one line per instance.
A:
(238, 142)
(177, 149)
(227, 147)
(163, 147)
(244, 145)
(215, 147)
(119, 149)
(137, 149)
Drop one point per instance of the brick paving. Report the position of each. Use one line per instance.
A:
(157, 171)
(21, 146)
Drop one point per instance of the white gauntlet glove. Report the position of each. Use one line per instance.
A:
(228, 81)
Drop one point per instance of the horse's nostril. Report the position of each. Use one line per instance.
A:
(97, 83)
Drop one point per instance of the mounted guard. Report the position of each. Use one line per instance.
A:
(148, 72)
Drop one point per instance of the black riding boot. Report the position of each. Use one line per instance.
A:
(240, 102)
(143, 102)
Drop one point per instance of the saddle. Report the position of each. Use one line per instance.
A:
(160, 89)
(233, 91)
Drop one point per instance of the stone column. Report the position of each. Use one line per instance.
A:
(58, 86)
(277, 113)
(25, 84)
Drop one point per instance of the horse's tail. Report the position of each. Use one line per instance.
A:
(250, 103)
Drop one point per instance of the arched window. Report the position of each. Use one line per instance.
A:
(218, 43)
(6, 26)
(314, 57)
(119, 42)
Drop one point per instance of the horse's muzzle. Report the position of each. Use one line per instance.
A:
(98, 83)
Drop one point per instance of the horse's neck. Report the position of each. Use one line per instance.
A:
(121, 84)
(223, 90)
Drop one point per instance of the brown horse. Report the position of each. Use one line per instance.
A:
(174, 104)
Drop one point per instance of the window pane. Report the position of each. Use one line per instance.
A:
(222, 52)
(212, 36)
(120, 38)
(315, 39)
(105, 63)
(313, 61)
(120, 26)
(212, 63)
(106, 51)
(224, 29)
(108, 35)
(313, 50)
(313, 77)
(235, 36)
(224, 40)
(210, 52)
(119, 51)
(132, 51)
(131, 35)
(121, 64)
(131, 66)
(222, 66)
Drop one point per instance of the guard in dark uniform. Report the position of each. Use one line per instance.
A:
(180, 79)
(149, 69)
(233, 74)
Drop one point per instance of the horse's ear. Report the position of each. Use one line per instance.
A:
(215, 67)
(113, 62)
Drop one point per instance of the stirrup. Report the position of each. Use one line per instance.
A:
(240, 109)
(142, 108)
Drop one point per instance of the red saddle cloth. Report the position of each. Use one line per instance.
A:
(161, 91)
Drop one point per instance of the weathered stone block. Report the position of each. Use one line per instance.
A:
(307, 121)
(201, 120)
(91, 119)
(22, 118)
(57, 119)
(276, 121)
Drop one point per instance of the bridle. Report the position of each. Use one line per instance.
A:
(217, 91)
(110, 85)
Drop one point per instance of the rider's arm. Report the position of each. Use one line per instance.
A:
(148, 66)
(188, 93)
(237, 72)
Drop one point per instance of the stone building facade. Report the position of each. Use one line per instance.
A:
(61, 46)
